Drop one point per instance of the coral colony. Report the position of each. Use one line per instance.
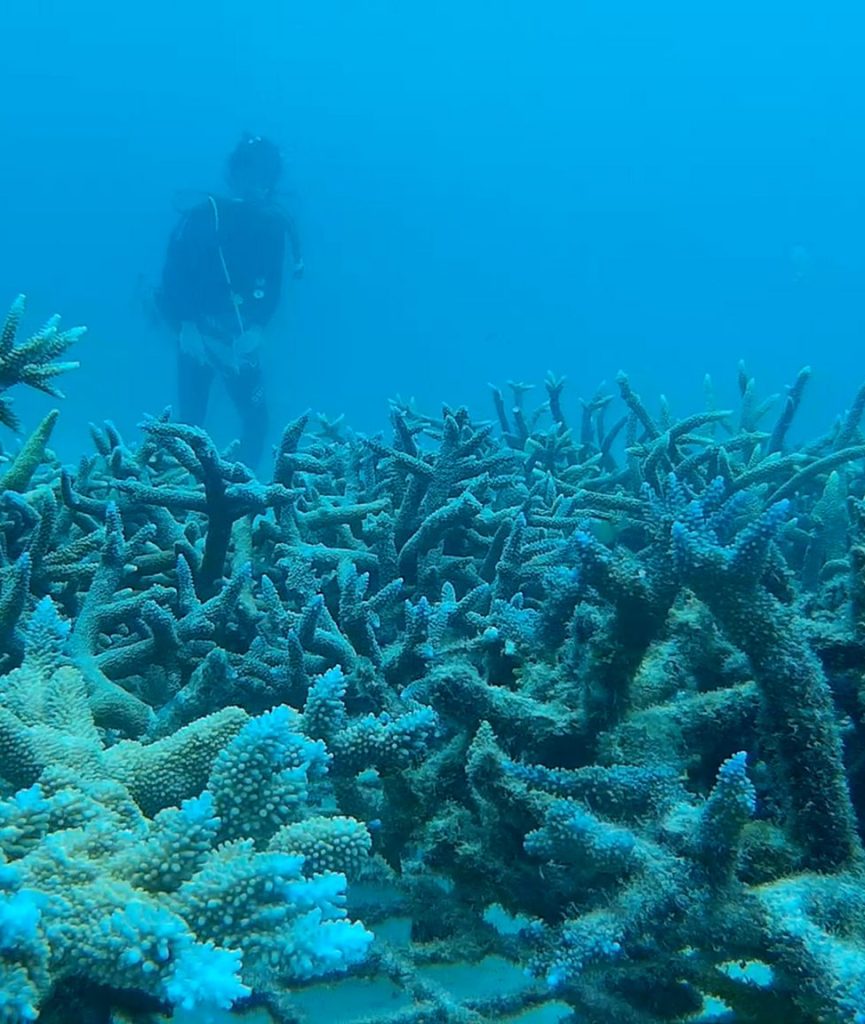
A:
(586, 697)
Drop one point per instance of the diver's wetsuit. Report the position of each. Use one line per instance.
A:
(223, 275)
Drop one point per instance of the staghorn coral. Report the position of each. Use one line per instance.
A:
(31, 362)
(553, 672)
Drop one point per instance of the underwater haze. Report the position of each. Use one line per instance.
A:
(484, 191)
(438, 594)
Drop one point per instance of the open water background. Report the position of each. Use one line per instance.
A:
(486, 190)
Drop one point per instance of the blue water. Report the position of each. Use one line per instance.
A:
(485, 191)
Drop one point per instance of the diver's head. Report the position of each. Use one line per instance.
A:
(254, 167)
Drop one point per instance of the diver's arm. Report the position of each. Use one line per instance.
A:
(182, 268)
(172, 294)
(294, 243)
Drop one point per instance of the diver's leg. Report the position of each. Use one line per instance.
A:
(246, 390)
(194, 379)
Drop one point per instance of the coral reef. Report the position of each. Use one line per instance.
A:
(587, 698)
(31, 362)
(192, 904)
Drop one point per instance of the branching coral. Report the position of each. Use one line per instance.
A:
(604, 675)
(187, 904)
(31, 362)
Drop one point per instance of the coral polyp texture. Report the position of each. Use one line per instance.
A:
(585, 699)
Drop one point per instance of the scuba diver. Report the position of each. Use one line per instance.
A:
(221, 285)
